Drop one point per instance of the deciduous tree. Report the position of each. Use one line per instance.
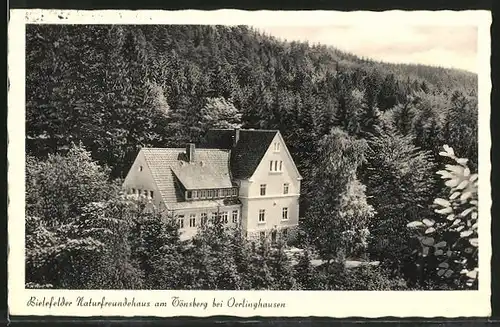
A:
(451, 239)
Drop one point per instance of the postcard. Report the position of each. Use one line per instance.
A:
(249, 163)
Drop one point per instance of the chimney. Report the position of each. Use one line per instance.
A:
(236, 136)
(190, 152)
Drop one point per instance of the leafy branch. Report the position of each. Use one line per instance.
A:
(453, 238)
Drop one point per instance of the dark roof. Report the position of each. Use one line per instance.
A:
(170, 168)
(216, 163)
(249, 151)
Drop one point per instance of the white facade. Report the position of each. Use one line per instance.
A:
(140, 181)
(266, 212)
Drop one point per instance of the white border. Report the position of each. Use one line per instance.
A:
(299, 303)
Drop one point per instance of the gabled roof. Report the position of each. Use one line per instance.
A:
(212, 171)
(169, 167)
(216, 164)
(249, 150)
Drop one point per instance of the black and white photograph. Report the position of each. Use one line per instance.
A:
(251, 157)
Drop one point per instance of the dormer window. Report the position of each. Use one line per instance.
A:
(210, 193)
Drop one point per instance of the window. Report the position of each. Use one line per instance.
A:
(214, 217)
(210, 193)
(284, 214)
(189, 195)
(284, 232)
(262, 189)
(146, 193)
(235, 191)
(192, 220)
(180, 221)
(133, 191)
(277, 147)
(262, 215)
(235, 216)
(203, 194)
(140, 168)
(151, 193)
(225, 217)
(203, 216)
(262, 235)
(285, 188)
(273, 166)
(195, 194)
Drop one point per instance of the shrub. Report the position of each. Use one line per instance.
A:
(452, 239)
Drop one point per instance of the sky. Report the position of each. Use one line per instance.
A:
(445, 46)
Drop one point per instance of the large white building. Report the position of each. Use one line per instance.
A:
(245, 177)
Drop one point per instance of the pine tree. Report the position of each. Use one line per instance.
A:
(460, 130)
(387, 96)
(370, 113)
(404, 114)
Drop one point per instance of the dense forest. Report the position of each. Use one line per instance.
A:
(370, 139)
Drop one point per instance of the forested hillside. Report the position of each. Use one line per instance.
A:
(118, 88)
